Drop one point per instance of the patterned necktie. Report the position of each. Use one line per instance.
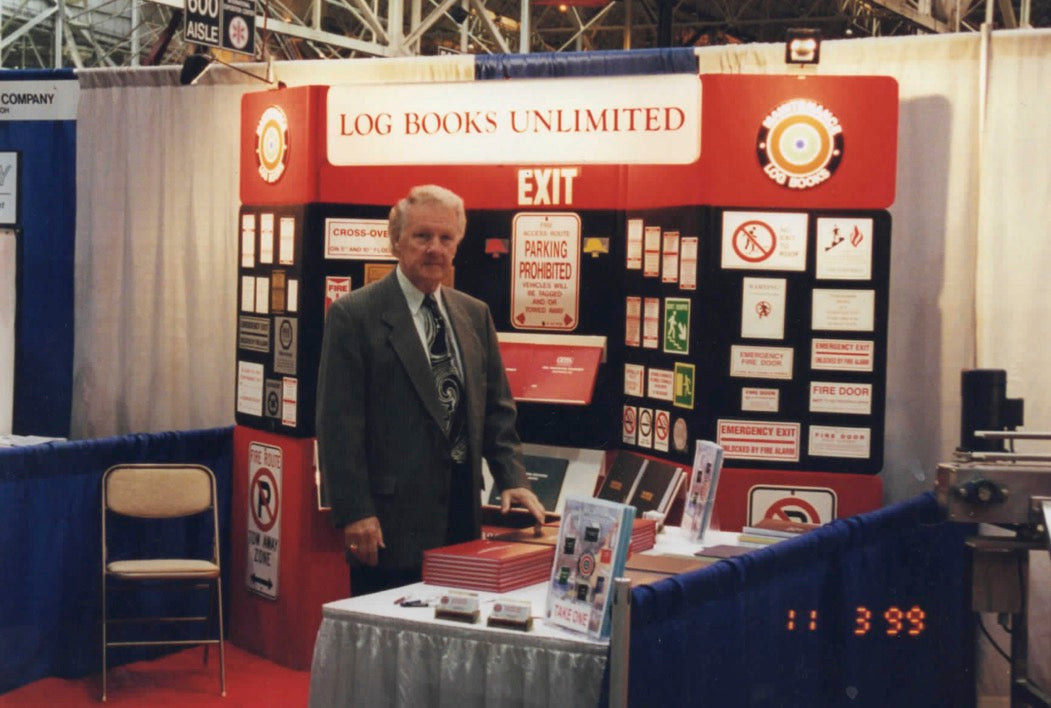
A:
(446, 376)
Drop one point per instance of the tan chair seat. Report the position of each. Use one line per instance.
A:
(163, 568)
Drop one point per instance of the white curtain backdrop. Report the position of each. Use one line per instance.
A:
(157, 192)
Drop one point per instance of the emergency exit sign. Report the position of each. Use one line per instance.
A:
(226, 24)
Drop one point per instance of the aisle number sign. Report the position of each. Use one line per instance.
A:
(226, 24)
(264, 519)
(545, 271)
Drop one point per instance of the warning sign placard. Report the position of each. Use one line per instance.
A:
(545, 271)
(264, 519)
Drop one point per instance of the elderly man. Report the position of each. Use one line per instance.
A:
(411, 396)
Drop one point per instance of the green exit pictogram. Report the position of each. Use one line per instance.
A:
(676, 325)
(685, 376)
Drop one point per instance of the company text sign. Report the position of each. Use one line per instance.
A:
(612, 120)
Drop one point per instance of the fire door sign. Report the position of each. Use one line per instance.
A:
(545, 271)
(264, 519)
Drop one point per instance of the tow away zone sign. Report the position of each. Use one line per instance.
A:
(264, 519)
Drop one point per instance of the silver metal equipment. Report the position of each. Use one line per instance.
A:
(989, 483)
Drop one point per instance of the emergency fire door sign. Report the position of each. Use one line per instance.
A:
(545, 292)
(264, 519)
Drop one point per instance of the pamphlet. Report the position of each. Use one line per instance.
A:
(593, 541)
(700, 497)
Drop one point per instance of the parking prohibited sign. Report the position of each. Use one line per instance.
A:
(808, 505)
(264, 519)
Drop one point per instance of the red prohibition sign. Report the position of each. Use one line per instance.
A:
(754, 241)
(782, 509)
(661, 425)
(263, 499)
(629, 420)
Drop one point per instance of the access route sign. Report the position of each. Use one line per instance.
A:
(225, 24)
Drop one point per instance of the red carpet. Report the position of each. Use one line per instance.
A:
(180, 679)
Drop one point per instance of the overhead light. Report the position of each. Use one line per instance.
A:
(803, 46)
(194, 66)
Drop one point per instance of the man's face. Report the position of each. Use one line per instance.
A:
(427, 244)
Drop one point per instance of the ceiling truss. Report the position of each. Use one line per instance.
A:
(111, 33)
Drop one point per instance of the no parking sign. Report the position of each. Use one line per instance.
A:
(264, 519)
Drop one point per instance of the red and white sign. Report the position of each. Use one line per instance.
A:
(634, 380)
(670, 257)
(759, 440)
(633, 321)
(265, 465)
(357, 240)
(761, 362)
(844, 249)
(840, 397)
(629, 425)
(661, 430)
(764, 240)
(624, 120)
(545, 271)
(289, 400)
(634, 244)
(651, 323)
(841, 354)
(834, 441)
(336, 286)
(661, 384)
(807, 505)
(652, 252)
(760, 400)
(688, 263)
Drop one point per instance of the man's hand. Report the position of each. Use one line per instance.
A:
(363, 539)
(525, 497)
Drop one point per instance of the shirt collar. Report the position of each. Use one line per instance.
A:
(413, 295)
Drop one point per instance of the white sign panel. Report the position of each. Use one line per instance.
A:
(840, 397)
(830, 441)
(764, 241)
(844, 310)
(249, 388)
(844, 249)
(264, 519)
(545, 271)
(759, 440)
(760, 400)
(9, 188)
(763, 308)
(41, 100)
(357, 240)
(634, 380)
(761, 362)
(807, 505)
(613, 120)
(841, 354)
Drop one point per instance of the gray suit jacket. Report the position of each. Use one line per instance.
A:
(381, 447)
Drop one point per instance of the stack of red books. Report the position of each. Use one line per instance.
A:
(487, 565)
(643, 536)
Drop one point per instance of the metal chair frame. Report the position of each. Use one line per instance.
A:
(161, 491)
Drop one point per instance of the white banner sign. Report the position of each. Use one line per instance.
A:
(611, 120)
(39, 100)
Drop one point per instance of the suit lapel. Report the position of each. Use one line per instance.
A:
(405, 342)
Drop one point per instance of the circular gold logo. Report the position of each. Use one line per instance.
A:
(271, 150)
(800, 144)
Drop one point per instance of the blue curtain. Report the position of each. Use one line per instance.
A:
(44, 320)
(726, 636)
(50, 515)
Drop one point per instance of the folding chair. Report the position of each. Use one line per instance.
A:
(157, 492)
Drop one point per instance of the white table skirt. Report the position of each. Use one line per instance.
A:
(373, 652)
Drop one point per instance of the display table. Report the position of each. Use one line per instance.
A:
(371, 651)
